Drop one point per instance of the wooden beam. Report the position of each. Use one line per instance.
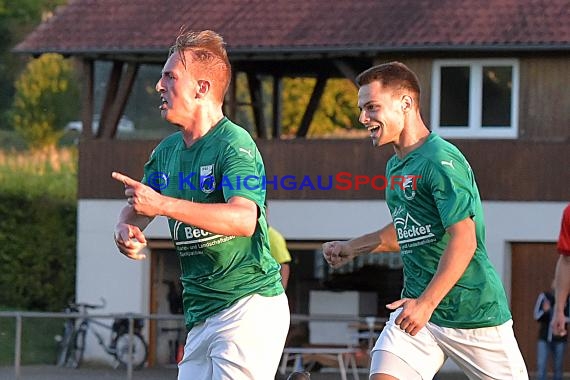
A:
(110, 95)
(255, 92)
(87, 96)
(230, 105)
(316, 96)
(346, 70)
(118, 107)
(277, 106)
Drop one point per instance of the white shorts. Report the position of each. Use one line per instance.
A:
(482, 353)
(242, 342)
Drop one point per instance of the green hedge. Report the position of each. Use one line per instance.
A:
(37, 231)
(37, 252)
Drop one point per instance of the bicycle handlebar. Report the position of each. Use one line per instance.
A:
(83, 305)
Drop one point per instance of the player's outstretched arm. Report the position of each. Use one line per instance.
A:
(562, 285)
(236, 217)
(338, 253)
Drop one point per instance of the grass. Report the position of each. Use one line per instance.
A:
(38, 343)
(49, 172)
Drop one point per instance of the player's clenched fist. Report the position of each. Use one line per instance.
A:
(337, 253)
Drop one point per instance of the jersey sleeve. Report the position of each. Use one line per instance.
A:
(564, 237)
(454, 192)
(243, 173)
(150, 172)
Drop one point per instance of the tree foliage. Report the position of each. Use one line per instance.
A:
(337, 109)
(28, 11)
(46, 99)
(17, 19)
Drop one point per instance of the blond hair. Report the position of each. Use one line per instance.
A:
(208, 57)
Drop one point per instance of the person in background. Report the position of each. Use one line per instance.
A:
(549, 344)
(279, 251)
(281, 254)
(562, 275)
(235, 307)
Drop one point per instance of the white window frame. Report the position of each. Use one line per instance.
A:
(474, 129)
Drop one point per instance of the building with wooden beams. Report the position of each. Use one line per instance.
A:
(495, 76)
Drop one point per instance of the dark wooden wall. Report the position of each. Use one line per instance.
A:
(544, 99)
(508, 170)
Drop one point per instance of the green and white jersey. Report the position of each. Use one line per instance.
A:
(217, 270)
(437, 190)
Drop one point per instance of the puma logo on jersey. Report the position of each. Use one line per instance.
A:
(248, 152)
(448, 163)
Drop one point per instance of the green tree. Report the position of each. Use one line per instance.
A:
(17, 19)
(337, 110)
(45, 100)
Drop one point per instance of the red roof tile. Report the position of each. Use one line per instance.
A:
(149, 26)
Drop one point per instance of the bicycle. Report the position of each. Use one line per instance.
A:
(71, 345)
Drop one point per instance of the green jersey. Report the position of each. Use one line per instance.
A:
(433, 187)
(216, 270)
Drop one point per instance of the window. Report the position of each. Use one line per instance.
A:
(475, 98)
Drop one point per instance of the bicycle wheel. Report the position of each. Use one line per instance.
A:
(63, 343)
(76, 350)
(139, 353)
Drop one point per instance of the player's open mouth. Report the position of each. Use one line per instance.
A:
(163, 103)
(373, 130)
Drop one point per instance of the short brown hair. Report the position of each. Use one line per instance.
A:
(392, 74)
(207, 48)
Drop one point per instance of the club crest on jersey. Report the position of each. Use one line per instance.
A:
(207, 179)
(409, 187)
